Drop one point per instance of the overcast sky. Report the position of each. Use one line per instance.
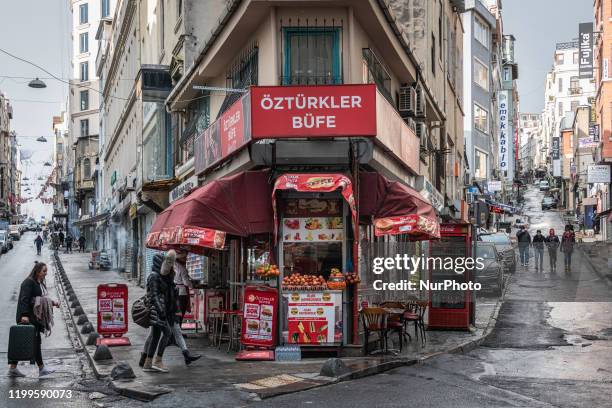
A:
(538, 25)
(36, 30)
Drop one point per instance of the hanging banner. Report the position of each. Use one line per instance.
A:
(585, 44)
(313, 111)
(321, 183)
(502, 106)
(259, 316)
(594, 133)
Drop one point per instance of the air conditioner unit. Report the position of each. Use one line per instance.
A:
(421, 101)
(411, 123)
(406, 103)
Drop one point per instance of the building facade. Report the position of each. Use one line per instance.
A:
(10, 162)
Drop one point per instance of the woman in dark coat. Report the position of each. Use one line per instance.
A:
(162, 297)
(34, 285)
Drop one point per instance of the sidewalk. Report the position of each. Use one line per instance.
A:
(217, 371)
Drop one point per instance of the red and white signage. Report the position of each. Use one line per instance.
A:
(259, 318)
(312, 317)
(187, 236)
(313, 111)
(413, 224)
(112, 309)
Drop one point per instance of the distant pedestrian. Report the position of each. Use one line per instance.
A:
(31, 302)
(552, 243)
(567, 246)
(69, 243)
(82, 243)
(61, 238)
(524, 241)
(538, 249)
(39, 243)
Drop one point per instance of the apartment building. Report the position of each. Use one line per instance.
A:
(60, 152)
(530, 133)
(10, 166)
(603, 108)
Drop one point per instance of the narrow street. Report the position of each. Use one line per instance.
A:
(57, 349)
(551, 346)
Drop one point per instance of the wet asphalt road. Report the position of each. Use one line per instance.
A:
(57, 349)
(551, 347)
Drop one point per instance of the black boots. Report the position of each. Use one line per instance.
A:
(189, 358)
(143, 357)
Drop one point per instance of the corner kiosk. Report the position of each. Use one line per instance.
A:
(451, 309)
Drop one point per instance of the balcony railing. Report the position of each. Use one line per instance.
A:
(310, 80)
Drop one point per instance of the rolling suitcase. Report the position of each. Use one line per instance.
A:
(21, 342)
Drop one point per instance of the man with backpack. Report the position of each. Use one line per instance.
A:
(524, 241)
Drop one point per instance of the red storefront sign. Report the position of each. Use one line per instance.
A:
(188, 236)
(313, 111)
(412, 224)
(227, 134)
(259, 316)
(112, 309)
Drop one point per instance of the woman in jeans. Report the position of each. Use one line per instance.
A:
(567, 246)
(162, 297)
(32, 287)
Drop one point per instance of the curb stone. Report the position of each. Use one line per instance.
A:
(604, 277)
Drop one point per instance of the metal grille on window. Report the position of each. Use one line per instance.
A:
(377, 73)
(241, 75)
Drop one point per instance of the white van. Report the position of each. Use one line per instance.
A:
(544, 185)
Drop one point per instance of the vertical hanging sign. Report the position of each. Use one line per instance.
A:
(502, 110)
(585, 44)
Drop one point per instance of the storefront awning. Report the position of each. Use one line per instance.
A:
(237, 205)
(396, 208)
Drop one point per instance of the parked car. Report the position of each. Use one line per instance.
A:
(548, 203)
(544, 186)
(504, 245)
(9, 241)
(4, 241)
(518, 223)
(14, 232)
(491, 277)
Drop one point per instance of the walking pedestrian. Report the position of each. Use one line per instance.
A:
(567, 246)
(524, 241)
(61, 238)
(552, 243)
(177, 335)
(69, 243)
(538, 249)
(82, 241)
(33, 299)
(39, 243)
(163, 301)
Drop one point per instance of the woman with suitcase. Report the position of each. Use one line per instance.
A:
(32, 287)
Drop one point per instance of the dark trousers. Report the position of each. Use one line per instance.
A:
(552, 257)
(37, 350)
(183, 302)
(568, 258)
(524, 253)
(38, 249)
(159, 338)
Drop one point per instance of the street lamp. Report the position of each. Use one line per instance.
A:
(41, 139)
(37, 83)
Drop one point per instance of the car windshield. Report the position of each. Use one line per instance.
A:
(496, 238)
(485, 252)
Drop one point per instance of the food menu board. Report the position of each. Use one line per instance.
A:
(314, 317)
(112, 309)
(313, 229)
(259, 316)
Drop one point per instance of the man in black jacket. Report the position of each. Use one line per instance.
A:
(524, 240)
(538, 249)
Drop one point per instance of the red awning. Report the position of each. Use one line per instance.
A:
(396, 208)
(237, 205)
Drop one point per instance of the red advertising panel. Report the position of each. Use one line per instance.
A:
(112, 309)
(228, 133)
(313, 111)
(168, 238)
(259, 318)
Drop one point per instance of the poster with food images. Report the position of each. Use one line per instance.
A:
(112, 309)
(259, 316)
(313, 229)
(314, 317)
